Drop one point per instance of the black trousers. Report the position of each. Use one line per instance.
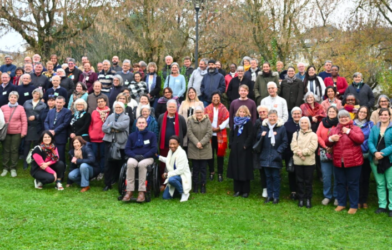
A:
(61, 150)
(26, 149)
(304, 176)
(45, 177)
(292, 178)
(263, 179)
(364, 181)
(214, 146)
(241, 186)
(112, 167)
(199, 168)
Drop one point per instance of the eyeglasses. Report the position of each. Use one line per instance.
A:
(363, 112)
(384, 101)
(100, 101)
(262, 112)
(167, 92)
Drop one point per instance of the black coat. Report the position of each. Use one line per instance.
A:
(365, 95)
(292, 92)
(34, 127)
(80, 126)
(240, 165)
(74, 74)
(291, 128)
(160, 109)
(234, 85)
(248, 74)
(155, 91)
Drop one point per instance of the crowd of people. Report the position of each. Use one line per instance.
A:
(136, 115)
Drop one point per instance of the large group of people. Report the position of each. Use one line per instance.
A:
(136, 115)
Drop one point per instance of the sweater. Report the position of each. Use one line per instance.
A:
(127, 77)
(326, 104)
(177, 84)
(324, 75)
(92, 101)
(8, 68)
(234, 106)
(89, 81)
(5, 91)
(306, 143)
(71, 99)
(195, 80)
(18, 123)
(149, 148)
(106, 78)
(40, 81)
(60, 91)
(25, 93)
(277, 103)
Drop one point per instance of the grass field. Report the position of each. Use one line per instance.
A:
(49, 219)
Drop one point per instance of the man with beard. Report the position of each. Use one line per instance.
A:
(115, 65)
(212, 81)
(197, 76)
(28, 68)
(263, 78)
(72, 72)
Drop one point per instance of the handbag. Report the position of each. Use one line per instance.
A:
(114, 152)
(3, 131)
(290, 165)
(324, 155)
(257, 146)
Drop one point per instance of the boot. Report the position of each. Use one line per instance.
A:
(203, 188)
(301, 203)
(195, 188)
(127, 196)
(140, 197)
(308, 203)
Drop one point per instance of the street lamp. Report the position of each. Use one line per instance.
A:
(197, 4)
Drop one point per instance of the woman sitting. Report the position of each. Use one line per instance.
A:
(46, 167)
(152, 124)
(83, 164)
(177, 176)
(141, 148)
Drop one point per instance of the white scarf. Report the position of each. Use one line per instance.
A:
(271, 133)
(253, 71)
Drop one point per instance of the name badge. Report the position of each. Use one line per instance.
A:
(126, 82)
(5, 92)
(107, 77)
(147, 142)
(275, 105)
(56, 94)
(177, 80)
(72, 77)
(26, 94)
(87, 78)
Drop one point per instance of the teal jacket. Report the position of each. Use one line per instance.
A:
(373, 141)
(152, 126)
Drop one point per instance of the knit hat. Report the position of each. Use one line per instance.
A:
(211, 61)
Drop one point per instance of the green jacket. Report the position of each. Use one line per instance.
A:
(260, 88)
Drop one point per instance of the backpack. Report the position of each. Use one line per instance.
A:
(29, 158)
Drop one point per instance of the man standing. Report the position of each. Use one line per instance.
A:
(253, 71)
(57, 122)
(197, 76)
(6, 88)
(273, 101)
(243, 100)
(187, 68)
(8, 67)
(28, 68)
(56, 90)
(72, 72)
(327, 68)
(212, 81)
(99, 67)
(106, 77)
(143, 67)
(27, 59)
(301, 71)
(218, 66)
(126, 73)
(66, 83)
(92, 99)
(25, 90)
(280, 68)
(38, 79)
(115, 66)
(167, 69)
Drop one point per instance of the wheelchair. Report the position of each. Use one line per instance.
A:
(152, 182)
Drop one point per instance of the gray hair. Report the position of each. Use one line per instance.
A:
(344, 113)
(254, 59)
(171, 101)
(262, 107)
(119, 103)
(60, 69)
(71, 60)
(106, 60)
(168, 56)
(175, 64)
(296, 109)
(379, 99)
(127, 61)
(247, 58)
(273, 112)
(307, 119)
(8, 56)
(38, 63)
(24, 75)
(145, 107)
(143, 64)
(328, 61)
(240, 68)
(60, 98)
(309, 94)
(15, 93)
(65, 65)
(80, 101)
(199, 108)
(356, 74)
(205, 60)
(119, 78)
(272, 83)
(39, 91)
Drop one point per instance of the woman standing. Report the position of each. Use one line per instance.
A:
(80, 121)
(153, 81)
(380, 149)
(362, 121)
(304, 145)
(383, 102)
(199, 132)
(327, 169)
(116, 89)
(161, 106)
(337, 82)
(263, 78)
(346, 140)
(137, 87)
(331, 99)
(15, 116)
(361, 91)
(80, 92)
(240, 167)
(47, 167)
(314, 84)
(175, 81)
(236, 82)
(116, 129)
(273, 145)
(313, 110)
(33, 109)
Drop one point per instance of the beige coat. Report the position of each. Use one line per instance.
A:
(199, 131)
(307, 144)
(183, 110)
(375, 118)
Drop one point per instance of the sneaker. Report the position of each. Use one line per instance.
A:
(336, 202)
(13, 173)
(100, 177)
(184, 197)
(5, 172)
(37, 184)
(265, 194)
(325, 201)
(59, 186)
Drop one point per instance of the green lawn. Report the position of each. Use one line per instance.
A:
(49, 219)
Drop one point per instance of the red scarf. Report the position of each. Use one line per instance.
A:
(223, 114)
(317, 111)
(163, 130)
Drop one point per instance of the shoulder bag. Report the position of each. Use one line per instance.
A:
(3, 131)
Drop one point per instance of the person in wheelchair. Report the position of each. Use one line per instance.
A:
(178, 175)
(141, 148)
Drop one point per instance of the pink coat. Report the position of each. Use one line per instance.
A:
(18, 124)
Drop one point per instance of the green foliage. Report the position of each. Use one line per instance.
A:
(385, 80)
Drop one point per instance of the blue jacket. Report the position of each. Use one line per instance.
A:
(25, 92)
(152, 126)
(366, 128)
(149, 148)
(212, 82)
(271, 156)
(373, 141)
(60, 91)
(8, 68)
(88, 158)
(59, 125)
(4, 92)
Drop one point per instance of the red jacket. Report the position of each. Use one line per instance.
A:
(341, 84)
(228, 79)
(348, 147)
(95, 130)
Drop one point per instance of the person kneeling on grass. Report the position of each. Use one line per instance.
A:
(177, 175)
(83, 164)
(141, 148)
(46, 167)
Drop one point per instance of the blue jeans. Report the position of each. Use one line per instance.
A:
(347, 181)
(176, 182)
(99, 147)
(82, 175)
(328, 170)
(273, 182)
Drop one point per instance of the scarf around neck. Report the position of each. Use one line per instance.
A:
(239, 123)
(13, 105)
(163, 130)
(253, 73)
(271, 133)
(359, 123)
(50, 151)
(140, 134)
(290, 79)
(103, 113)
(329, 123)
